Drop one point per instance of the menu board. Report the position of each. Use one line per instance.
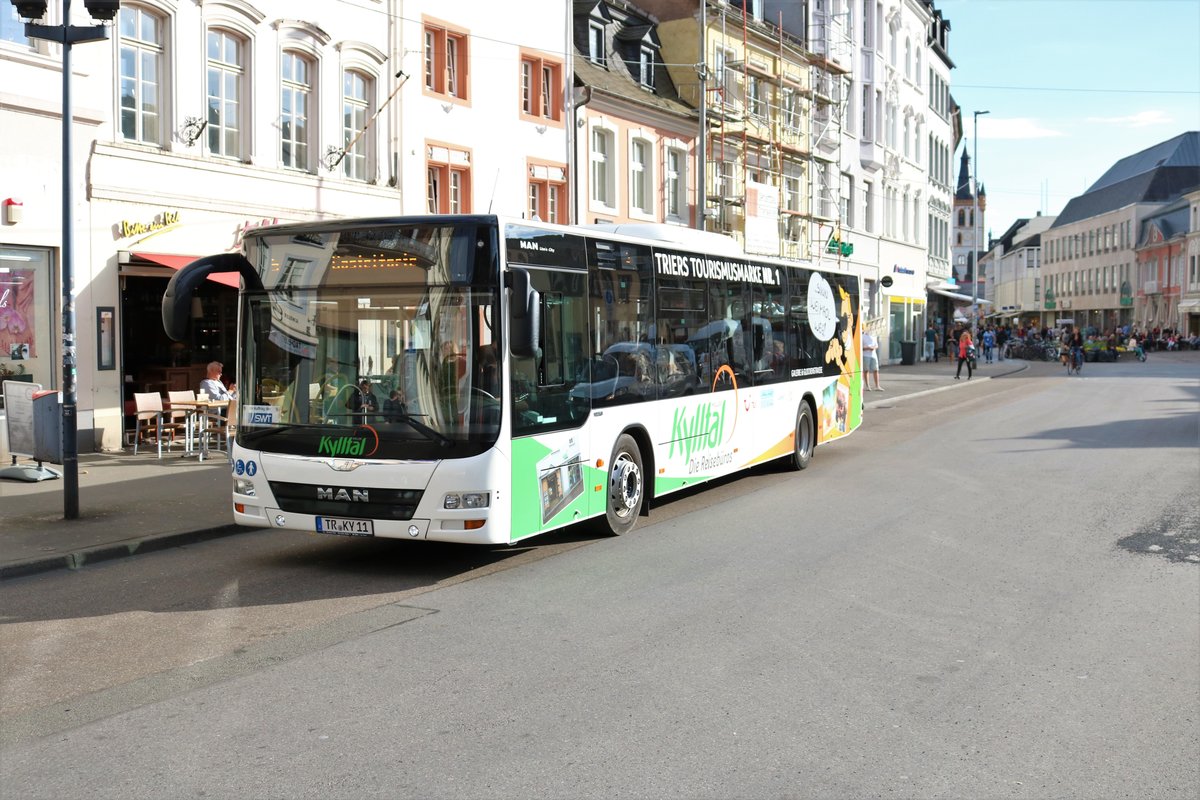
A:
(18, 416)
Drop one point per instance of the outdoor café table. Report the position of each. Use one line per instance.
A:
(198, 414)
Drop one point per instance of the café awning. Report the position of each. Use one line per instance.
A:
(178, 262)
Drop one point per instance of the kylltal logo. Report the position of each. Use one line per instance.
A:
(363, 441)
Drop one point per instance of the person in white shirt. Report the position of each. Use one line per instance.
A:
(213, 387)
(870, 346)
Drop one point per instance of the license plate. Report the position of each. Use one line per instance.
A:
(342, 526)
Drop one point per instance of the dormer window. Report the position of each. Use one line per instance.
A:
(596, 43)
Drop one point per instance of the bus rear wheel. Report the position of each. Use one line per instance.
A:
(626, 486)
(805, 438)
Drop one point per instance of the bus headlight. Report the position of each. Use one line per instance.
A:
(243, 487)
(467, 500)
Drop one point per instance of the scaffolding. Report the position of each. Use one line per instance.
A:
(776, 106)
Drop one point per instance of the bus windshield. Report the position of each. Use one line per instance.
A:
(376, 341)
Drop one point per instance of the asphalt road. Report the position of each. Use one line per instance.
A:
(983, 593)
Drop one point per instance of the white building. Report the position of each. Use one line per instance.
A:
(896, 185)
(1014, 275)
(196, 121)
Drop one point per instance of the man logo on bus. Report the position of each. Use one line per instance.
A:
(362, 442)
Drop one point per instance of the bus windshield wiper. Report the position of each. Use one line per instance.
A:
(429, 432)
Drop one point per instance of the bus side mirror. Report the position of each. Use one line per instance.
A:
(177, 299)
(525, 306)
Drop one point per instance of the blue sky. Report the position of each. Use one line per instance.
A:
(1072, 86)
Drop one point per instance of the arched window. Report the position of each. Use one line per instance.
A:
(356, 110)
(224, 88)
(294, 112)
(142, 69)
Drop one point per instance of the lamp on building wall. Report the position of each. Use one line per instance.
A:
(67, 35)
(975, 231)
(191, 129)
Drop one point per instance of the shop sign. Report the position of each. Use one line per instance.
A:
(162, 220)
(239, 232)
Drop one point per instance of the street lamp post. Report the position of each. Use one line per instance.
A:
(67, 34)
(975, 232)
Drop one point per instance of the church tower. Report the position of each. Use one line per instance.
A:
(964, 244)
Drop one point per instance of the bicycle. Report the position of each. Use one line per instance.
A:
(1074, 361)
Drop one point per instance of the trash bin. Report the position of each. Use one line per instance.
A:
(908, 353)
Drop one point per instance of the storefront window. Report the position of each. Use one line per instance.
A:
(26, 348)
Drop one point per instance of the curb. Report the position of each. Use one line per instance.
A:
(93, 555)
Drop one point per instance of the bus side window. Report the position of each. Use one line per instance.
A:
(542, 383)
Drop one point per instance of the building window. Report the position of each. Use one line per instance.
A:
(141, 56)
(676, 183)
(847, 200)
(791, 110)
(646, 67)
(758, 105)
(541, 89)
(356, 100)
(641, 176)
(603, 168)
(825, 189)
(596, 43)
(295, 93)
(547, 188)
(445, 61)
(792, 192)
(225, 76)
(447, 180)
(868, 207)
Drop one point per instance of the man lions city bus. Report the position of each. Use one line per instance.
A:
(519, 377)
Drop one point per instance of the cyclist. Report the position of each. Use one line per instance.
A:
(1075, 345)
(1135, 347)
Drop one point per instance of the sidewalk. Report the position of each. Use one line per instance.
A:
(134, 504)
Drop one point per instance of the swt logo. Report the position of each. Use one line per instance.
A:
(362, 441)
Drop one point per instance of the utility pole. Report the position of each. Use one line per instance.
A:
(975, 226)
(67, 34)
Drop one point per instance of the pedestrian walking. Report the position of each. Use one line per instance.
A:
(965, 346)
(930, 343)
(870, 347)
(989, 343)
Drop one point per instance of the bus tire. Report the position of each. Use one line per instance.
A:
(626, 486)
(805, 437)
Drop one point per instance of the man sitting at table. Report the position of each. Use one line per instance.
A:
(213, 387)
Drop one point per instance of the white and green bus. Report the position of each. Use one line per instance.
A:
(519, 376)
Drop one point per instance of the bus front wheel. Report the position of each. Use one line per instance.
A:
(626, 485)
(805, 437)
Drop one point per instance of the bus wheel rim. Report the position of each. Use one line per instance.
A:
(625, 486)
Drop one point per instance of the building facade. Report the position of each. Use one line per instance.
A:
(1090, 260)
(1189, 305)
(1014, 275)
(829, 127)
(635, 154)
(197, 121)
(1161, 255)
